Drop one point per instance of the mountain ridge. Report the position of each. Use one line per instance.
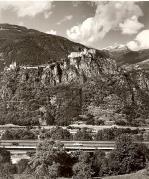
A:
(124, 55)
(32, 47)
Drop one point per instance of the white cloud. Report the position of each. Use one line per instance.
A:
(27, 8)
(66, 18)
(21, 23)
(131, 26)
(140, 42)
(76, 3)
(47, 14)
(108, 16)
(52, 32)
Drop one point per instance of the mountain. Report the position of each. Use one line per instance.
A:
(144, 64)
(43, 83)
(123, 55)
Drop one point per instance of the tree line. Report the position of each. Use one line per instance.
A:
(58, 133)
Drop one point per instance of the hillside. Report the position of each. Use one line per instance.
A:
(31, 47)
(44, 84)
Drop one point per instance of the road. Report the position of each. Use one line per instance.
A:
(68, 145)
(28, 145)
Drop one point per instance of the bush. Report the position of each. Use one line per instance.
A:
(82, 169)
(113, 133)
(83, 134)
(22, 165)
(18, 134)
(56, 133)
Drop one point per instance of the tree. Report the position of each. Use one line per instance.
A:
(82, 169)
(90, 119)
(58, 133)
(127, 156)
(112, 133)
(98, 161)
(5, 164)
(5, 156)
(15, 134)
(5, 171)
(22, 165)
(83, 134)
(44, 157)
(53, 170)
(50, 157)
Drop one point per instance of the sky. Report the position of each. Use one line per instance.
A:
(93, 23)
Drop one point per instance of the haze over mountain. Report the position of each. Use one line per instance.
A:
(123, 55)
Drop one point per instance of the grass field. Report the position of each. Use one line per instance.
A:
(30, 177)
(138, 175)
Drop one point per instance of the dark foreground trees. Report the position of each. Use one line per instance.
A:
(6, 167)
(128, 156)
(22, 166)
(82, 169)
(51, 160)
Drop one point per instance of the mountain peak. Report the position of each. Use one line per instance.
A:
(116, 47)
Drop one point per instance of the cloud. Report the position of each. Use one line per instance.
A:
(52, 32)
(76, 3)
(66, 18)
(131, 26)
(47, 14)
(27, 8)
(21, 23)
(140, 42)
(108, 16)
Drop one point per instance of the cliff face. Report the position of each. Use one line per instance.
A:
(78, 69)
